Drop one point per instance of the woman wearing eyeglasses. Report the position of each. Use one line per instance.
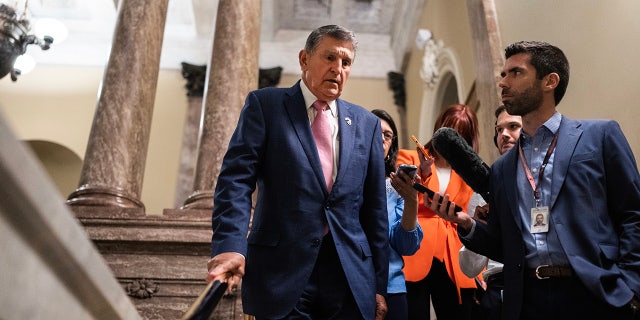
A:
(405, 233)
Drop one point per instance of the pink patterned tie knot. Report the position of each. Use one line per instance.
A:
(321, 129)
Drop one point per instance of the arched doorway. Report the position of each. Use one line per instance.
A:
(62, 164)
(443, 84)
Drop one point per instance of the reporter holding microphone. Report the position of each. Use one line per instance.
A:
(579, 174)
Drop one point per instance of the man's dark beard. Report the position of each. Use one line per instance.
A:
(525, 102)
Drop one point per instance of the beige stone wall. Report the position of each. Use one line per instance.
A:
(602, 42)
(447, 20)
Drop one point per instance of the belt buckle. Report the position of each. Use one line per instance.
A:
(538, 272)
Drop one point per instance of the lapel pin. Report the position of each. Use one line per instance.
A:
(348, 120)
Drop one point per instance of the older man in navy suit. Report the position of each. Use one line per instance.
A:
(317, 246)
(582, 178)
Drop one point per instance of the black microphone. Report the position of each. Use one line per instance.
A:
(466, 162)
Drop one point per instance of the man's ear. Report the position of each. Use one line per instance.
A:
(550, 81)
(302, 59)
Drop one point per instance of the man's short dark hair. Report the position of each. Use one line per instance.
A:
(546, 59)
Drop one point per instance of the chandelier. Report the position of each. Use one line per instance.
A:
(14, 39)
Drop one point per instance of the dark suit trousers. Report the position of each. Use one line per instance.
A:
(438, 287)
(327, 295)
(491, 300)
(565, 298)
(397, 308)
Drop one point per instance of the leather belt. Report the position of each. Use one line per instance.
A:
(546, 272)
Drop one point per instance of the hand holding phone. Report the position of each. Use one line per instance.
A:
(420, 147)
(430, 194)
(426, 161)
(408, 169)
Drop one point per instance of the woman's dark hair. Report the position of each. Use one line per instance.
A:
(392, 155)
(462, 119)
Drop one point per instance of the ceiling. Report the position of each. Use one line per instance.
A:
(188, 31)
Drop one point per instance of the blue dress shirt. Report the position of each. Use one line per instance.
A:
(541, 248)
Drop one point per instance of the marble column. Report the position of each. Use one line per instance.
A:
(195, 76)
(232, 73)
(489, 56)
(114, 162)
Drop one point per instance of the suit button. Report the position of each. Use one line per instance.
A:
(315, 242)
(518, 267)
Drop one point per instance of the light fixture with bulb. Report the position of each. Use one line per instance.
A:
(14, 39)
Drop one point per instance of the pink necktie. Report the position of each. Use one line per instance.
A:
(321, 129)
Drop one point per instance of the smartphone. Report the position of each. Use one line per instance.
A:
(409, 169)
(430, 193)
(420, 146)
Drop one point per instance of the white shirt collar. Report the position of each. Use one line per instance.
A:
(309, 99)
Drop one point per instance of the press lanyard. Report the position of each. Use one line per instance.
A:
(536, 194)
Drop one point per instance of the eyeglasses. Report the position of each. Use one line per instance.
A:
(387, 136)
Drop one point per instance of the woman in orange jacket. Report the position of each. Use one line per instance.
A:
(433, 273)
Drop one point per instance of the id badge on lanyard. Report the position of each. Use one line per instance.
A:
(539, 222)
(539, 219)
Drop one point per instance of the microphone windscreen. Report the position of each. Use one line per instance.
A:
(463, 159)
